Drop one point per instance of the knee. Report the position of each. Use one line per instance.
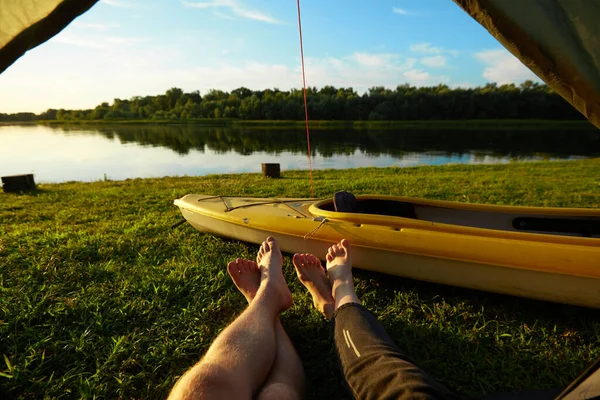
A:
(278, 391)
(207, 380)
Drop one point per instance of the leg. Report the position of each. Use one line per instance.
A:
(286, 378)
(241, 357)
(372, 364)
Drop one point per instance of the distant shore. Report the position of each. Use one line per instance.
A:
(516, 124)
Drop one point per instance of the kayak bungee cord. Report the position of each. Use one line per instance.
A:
(273, 201)
(322, 220)
(312, 188)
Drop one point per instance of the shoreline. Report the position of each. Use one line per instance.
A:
(515, 124)
(450, 167)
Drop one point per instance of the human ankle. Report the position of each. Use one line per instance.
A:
(340, 274)
(343, 288)
(346, 299)
(347, 282)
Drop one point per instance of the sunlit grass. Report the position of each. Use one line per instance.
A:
(99, 297)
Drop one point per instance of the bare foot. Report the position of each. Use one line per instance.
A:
(246, 276)
(339, 267)
(312, 275)
(269, 260)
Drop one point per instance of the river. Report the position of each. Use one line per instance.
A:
(89, 153)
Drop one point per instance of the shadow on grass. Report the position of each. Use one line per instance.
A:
(497, 346)
(30, 193)
(4, 394)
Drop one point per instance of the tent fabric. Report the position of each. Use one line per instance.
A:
(585, 386)
(559, 40)
(25, 24)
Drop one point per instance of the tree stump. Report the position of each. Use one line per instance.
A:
(271, 170)
(18, 183)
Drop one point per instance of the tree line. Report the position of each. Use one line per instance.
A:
(529, 100)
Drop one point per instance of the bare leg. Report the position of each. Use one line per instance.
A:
(312, 275)
(339, 268)
(240, 359)
(286, 379)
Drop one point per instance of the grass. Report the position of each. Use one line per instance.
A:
(512, 124)
(100, 298)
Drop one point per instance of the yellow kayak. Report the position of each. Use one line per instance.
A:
(543, 253)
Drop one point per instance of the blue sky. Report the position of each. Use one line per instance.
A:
(124, 48)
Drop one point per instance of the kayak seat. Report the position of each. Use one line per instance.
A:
(346, 202)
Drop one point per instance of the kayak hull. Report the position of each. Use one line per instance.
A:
(389, 250)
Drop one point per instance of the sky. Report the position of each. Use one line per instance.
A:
(126, 48)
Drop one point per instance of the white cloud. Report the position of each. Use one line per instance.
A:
(350, 71)
(463, 85)
(124, 41)
(235, 8)
(419, 77)
(94, 26)
(502, 67)
(374, 60)
(434, 61)
(427, 48)
(359, 70)
(97, 41)
(224, 16)
(120, 3)
(90, 77)
(77, 41)
(402, 11)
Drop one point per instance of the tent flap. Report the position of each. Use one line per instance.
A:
(28, 23)
(559, 40)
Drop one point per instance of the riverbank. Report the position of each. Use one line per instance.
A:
(512, 124)
(101, 298)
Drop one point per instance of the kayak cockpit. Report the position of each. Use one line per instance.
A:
(362, 205)
(553, 221)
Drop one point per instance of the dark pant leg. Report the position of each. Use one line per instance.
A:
(373, 366)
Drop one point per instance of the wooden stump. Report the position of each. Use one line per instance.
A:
(18, 183)
(271, 170)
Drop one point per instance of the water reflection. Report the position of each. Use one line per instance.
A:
(329, 143)
(118, 152)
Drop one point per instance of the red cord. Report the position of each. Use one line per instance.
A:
(312, 188)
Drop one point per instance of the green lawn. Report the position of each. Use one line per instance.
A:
(99, 297)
